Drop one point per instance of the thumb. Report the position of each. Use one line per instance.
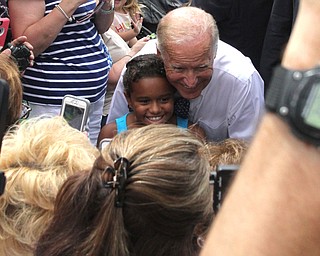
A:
(7, 52)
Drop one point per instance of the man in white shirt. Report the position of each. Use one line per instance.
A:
(224, 89)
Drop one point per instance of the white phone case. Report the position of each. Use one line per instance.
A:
(75, 110)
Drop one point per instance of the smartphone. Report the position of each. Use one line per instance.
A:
(76, 111)
(4, 27)
(4, 96)
(104, 142)
(222, 179)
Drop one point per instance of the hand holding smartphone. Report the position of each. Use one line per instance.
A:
(76, 111)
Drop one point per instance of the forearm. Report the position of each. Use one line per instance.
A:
(116, 70)
(303, 48)
(273, 206)
(40, 30)
(127, 35)
(104, 17)
(118, 66)
(274, 199)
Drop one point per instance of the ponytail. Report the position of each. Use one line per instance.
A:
(81, 222)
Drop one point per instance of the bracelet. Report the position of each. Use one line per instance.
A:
(103, 11)
(128, 55)
(70, 19)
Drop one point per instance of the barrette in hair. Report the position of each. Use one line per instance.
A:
(119, 173)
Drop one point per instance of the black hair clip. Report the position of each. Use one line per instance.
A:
(119, 173)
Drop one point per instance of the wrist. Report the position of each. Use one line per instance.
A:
(293, 95)
(135, 32)
(108, 7)
(127, 58)
(64, 13)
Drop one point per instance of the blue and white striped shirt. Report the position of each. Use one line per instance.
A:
(76, 63)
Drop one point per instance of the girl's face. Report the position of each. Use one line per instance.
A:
(152, 100)
(118, 4)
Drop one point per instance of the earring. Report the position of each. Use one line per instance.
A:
(200, 241)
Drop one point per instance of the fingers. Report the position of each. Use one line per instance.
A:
(137, 26)
(6, 52)
(144, 39)
(19, 40)
(23, 40)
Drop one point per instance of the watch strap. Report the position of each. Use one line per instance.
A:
(275, 89)
(282, 83)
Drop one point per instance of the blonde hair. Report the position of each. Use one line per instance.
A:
(37, 157)
(186, 24)
(229, 151)
(132, 7)
(9, 71)
(167, 199)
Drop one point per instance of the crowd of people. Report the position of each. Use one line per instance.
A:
(173, 109)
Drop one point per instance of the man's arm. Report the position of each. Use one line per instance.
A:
(274, 203)
(248, 109)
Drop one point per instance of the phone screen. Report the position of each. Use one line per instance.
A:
(73, 115)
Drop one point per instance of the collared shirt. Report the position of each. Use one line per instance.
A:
(230, 106)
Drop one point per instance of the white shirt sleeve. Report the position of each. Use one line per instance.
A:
(119, 104)
(247, 110)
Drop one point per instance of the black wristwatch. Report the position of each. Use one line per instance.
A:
(294, 95)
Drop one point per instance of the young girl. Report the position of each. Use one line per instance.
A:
(150, 96)
(127, 21)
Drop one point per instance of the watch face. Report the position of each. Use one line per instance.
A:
(305, 110)
(295, 96)
(311, 112)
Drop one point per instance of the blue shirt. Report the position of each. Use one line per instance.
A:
(121, 123)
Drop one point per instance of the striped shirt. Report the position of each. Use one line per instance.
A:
(76, 63)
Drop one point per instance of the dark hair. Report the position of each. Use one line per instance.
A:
(167, 199)
(142, 66)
